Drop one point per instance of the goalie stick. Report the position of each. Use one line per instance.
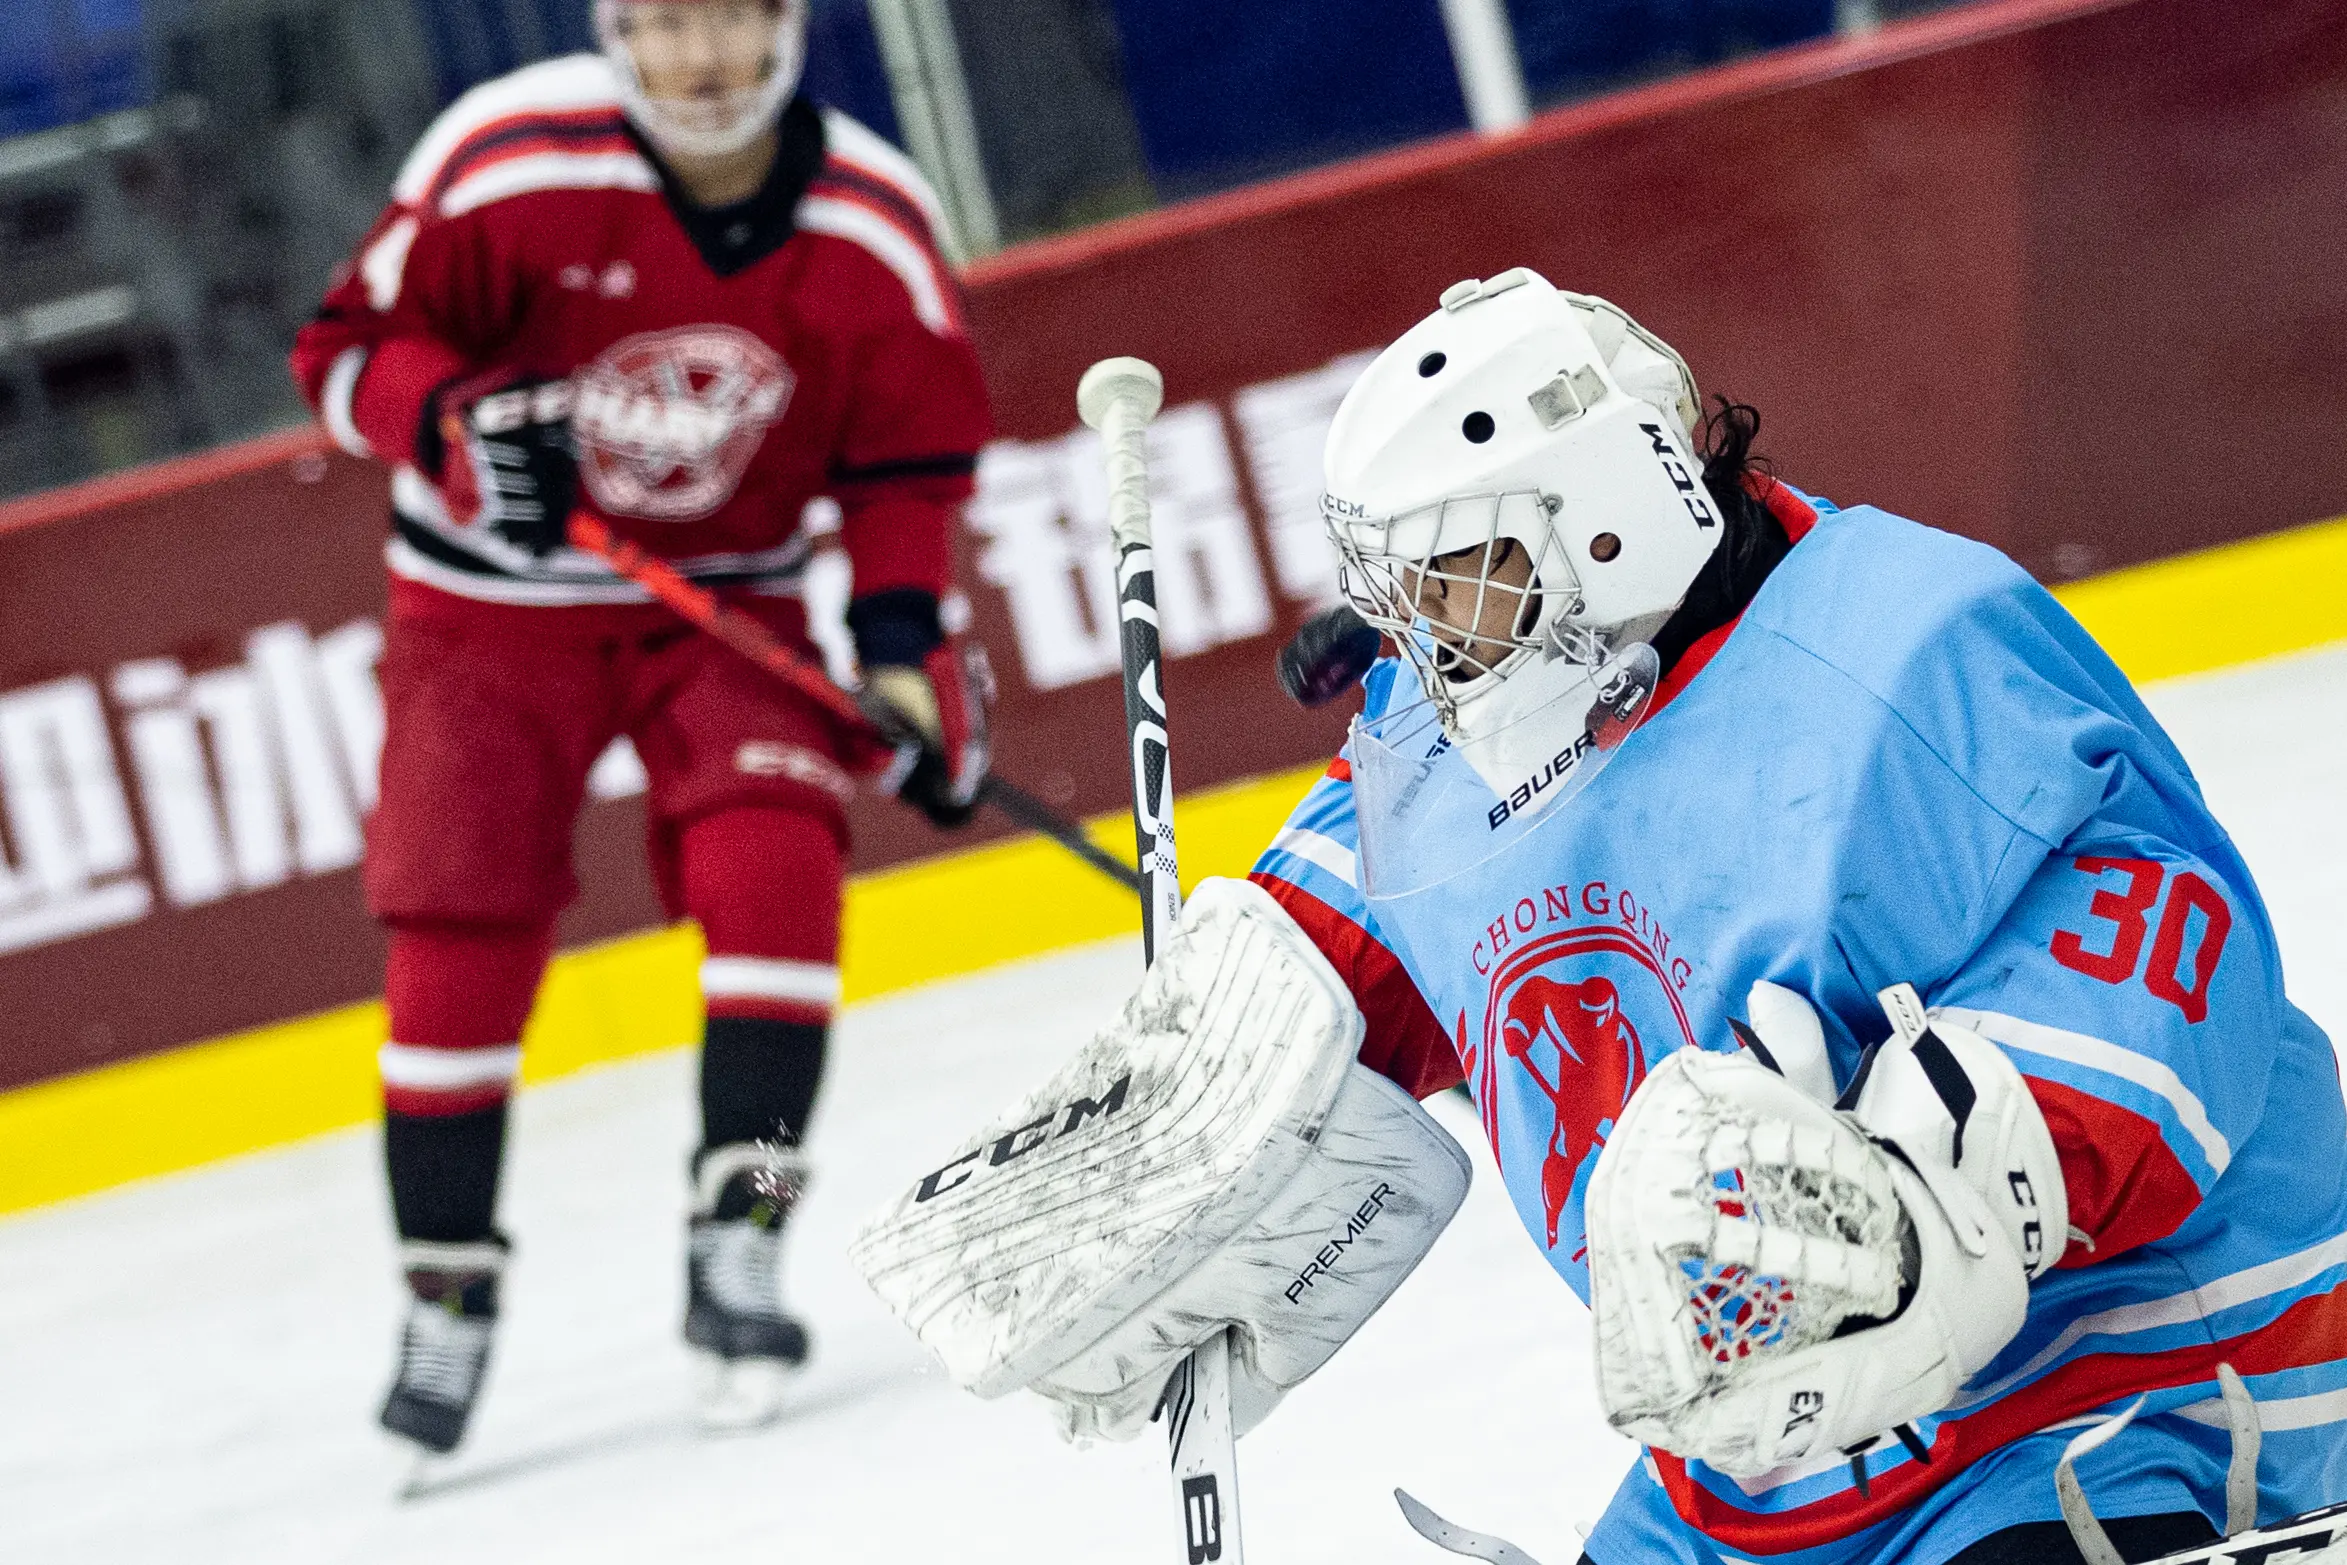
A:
(754, 641)
(1119, 397)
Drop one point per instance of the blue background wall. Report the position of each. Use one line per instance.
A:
(66, 60)
(1229, 90)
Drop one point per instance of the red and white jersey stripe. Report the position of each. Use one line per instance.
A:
(738, 362)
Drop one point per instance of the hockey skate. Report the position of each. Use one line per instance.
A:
(444, 1344)
(733, 1310)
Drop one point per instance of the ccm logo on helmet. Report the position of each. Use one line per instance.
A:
(1025, 1139)
(1690, 494)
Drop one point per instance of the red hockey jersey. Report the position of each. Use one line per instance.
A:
(729, 364)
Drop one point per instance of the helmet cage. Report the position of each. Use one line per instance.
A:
(1426, 576)
(748, 112)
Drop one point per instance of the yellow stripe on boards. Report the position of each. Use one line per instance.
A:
(936, 920)
(188, 1106)
(912, 925)
(2235, 603)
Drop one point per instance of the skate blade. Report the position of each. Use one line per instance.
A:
(742, 1394)
(1443, 1534)
(419, 1471)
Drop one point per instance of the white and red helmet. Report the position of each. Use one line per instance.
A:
(634, 32)
(1518, 414)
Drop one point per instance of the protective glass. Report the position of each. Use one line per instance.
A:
(1432, 807)
(1462, 586)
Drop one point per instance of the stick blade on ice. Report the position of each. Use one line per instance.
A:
(1475, 1545)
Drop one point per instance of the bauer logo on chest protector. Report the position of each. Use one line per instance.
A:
(1551, 772)
(667, 422)
(1018, 1143)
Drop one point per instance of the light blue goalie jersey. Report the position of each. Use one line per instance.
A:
(1906, 763)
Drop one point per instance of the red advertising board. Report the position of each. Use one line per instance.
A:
(2055, 274)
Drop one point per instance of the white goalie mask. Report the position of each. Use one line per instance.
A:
(1515, 499)
(752, 50)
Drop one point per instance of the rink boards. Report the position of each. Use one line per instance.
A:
(1990, 267)
(926, 922)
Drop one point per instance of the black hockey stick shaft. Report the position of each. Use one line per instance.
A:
(1032, 813)
(1119, 397)
(1146, 738)
(754, 641)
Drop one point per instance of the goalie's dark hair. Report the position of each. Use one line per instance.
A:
(1724, 441)
(1752, 542)
(1732, 472)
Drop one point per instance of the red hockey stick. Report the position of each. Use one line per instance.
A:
(754, 641)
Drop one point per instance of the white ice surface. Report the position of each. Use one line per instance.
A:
(189, 1368)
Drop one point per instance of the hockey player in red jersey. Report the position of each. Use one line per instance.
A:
(658, 285)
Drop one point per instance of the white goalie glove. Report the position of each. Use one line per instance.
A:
(1774, 1280)
(1215, 1158)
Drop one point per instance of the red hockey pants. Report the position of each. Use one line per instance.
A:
(494, 717)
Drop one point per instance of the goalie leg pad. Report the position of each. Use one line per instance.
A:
(1213, 1150)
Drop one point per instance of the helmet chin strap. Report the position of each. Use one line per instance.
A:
(1630, 632)
(1541, 733)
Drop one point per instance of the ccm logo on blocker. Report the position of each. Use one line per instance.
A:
(1023, 1140)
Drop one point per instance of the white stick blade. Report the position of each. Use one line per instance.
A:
(1457, 1539)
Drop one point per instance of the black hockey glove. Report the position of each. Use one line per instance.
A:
(930, 696)
(500, 449)
(1328, 656)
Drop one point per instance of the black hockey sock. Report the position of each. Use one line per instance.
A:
(443, 1171)
(758, 1079)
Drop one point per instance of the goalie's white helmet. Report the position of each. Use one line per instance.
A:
(649, 40)
(1517, 417)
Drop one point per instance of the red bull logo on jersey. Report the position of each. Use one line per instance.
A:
(1574, 1015)
(667, 421)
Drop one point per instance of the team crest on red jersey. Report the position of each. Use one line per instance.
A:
(1575, 1011)
(667, 421)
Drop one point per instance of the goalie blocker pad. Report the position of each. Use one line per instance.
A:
(1214, 1158)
